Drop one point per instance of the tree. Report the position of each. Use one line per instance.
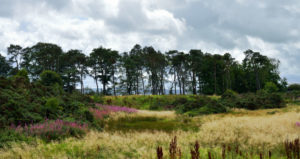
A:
(195, 59)
(155, 64)
(260, 69)
(42, 56)
(74, 69)
(4, 66)
(15, 52)
(133, 64)
(180, 66)
(102, 61)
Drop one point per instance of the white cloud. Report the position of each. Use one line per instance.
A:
(163, 20)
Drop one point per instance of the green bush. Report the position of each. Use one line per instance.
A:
(7, 136)
(294, 87)
(200, 105)
(50, 78)
(51, 109)
(16, 108)
(260, 100)
(270, 87)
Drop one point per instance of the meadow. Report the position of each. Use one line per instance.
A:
(239, 133)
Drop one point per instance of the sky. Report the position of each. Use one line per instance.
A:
(271, 27)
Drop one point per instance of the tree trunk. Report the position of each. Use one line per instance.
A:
(114, 85)
(137, 84)
(17, 63)
(194, 83)
(81, 82)
(96, 80)
(179, 83)
(257, 80)
(104, 88)
(183, 85)
(143, 83)
(215, 77)
(162, 84)
(175, 83)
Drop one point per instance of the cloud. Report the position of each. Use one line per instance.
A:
(271, 27)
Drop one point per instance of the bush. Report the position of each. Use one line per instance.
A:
(15, 108)
(8, 136)
(50, 78)
(229, 94)
(261, 99)
(200, 105)
(51, 109)
(294, 87)
(270, 87)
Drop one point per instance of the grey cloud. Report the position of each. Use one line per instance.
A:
(214, 26)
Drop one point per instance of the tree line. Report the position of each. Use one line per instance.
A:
(144, 70)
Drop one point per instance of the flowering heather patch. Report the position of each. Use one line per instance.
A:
(105, 110)
(298, 124)
(51, 130)
(99, 114)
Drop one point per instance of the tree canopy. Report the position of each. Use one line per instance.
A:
(145, 70)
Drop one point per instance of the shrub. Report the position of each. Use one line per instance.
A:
(21, 79)
(52, 109)
(50, 78)
(212, 107)
(201, 105)
(294, 87)
(261, 99)
(15, 108)
(8, 136)
(229, 94)
(270, 87)
(230, 98)
(22, 73)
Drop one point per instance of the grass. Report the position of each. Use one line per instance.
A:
(253, 131)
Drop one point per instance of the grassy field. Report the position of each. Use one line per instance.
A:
(138, 135)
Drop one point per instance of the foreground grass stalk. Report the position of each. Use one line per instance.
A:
(159, 152)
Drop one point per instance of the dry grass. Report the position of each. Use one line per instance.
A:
(264, 131)
(258, 129)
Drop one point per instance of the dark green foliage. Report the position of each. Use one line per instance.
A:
(294, 87)
(261, 99)
(146, 70)
(51, 109)
(22, 73)
(229, 98)
(7, 136)
(23, 102)
(270, 87)
(16, 108)
(103, 61)
(4, 66)
(200, 105)
(50, 78)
